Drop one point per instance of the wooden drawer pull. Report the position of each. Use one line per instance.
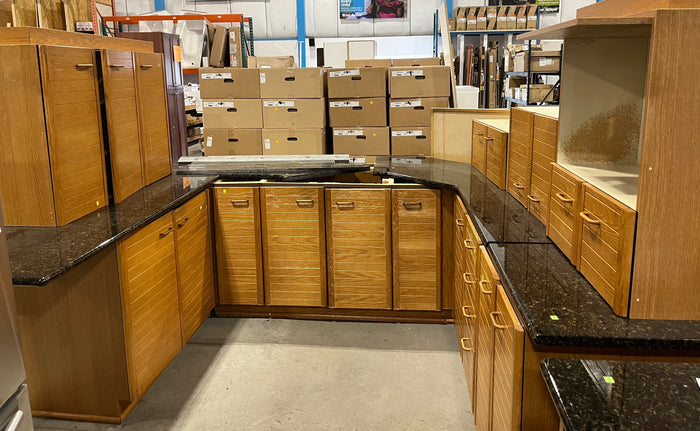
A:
(468, 315)
(532, 198)
(519, 186)
(464, 347)
(467, 244)
(564, 198)
(459, 222)
(489, 139)
(345, 204)
(166, 233)
(181, 225)
(305, 202)
(242, 203)
(479, 134)
(493, 320)
(84, 65)
(484, 291)
(146, 66)
(466, 276)
(116, 65)
(416, 205)
(587, 218)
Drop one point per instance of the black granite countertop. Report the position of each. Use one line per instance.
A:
(277, 171)
(624, 396)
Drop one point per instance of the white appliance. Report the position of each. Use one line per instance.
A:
(15, 413)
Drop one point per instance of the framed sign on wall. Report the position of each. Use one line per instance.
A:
(373, 9)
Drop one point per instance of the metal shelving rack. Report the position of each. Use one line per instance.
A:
(528, 81)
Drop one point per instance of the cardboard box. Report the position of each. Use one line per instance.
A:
(271, 62)
(368, 63)
(545, 61)
(366, 112)
(415, 62)
(491, 17)
(512, 17)
(362, 141)
(537, 93)
(461, 18)
(502, 18)
(232, 114)
(521, 22)
(294, 142)
(427, 81)
(219, 47)
(532, 16)
(294, 113)
(493, 78)
(292, 83)
(359, 82)
(481, 18)
(232, 142)
(452, 24)
(410, 141)
(471, 18)
(235, 46)
(224, 83)
(414, 112)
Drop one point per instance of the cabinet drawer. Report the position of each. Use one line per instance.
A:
(544, 152)
(563, 226)
(459, 258)
(538, 199)
(496, 156)
(294, 246)
(465, 315)
(471, 247)
(479, 146)
(519, 165)
(238, 245)
(607, 242)
(358, 236)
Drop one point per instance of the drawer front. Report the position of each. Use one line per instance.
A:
(564, 207)
(472, 269)
(358, 226)
(544, 152)
(509, 340)
(122, 123)
(72, 106)
(607, 241)
(479, 147)
(150, 302)
(496, 155)
(294, 246)
(195, 269)
(538, 199)
(416, 249)
(153, 116)
(520, 154)
(465, 316)
(238, 245)
(460, 214)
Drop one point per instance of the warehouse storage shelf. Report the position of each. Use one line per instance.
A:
(531, 73)
(480, 32)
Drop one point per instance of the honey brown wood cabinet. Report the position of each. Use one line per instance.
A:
(294, 245)
(359, 248)
(416, 249)
(545, 132)
(238, 245)
(52, 169)
(490, 149)
(564, 222)
(478, 160)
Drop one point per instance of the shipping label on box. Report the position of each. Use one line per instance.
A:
(341, 73)
(411, 72)
(414, 112)
(348, 132)
(356, 83)
(371, 141)
(343, 103)
(369, 112)
(232, 114)
(294, 114)
(234, 83)
(292, 83)
(276, 103)
(429, 81)
(232, 142)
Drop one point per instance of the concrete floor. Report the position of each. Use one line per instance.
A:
(257, 374)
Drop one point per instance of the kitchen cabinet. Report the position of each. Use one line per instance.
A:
(478, 159)
(490, 149)
(544, 152)
(520, 154)
(238, 245)
(118, 76)
(416, 249)
(564, 222)
(150, 301)
(195, 271)
(358, 236)
(294, 245)
(153, 116)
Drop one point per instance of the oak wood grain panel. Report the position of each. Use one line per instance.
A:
(122, 122)
(45, 36)
(473, 262)
(668, 199)
(564, 223)
(73, 341)
(416, 249)
(238, 245)
(459, 252)
(51, 14)
(496, 156)
(25, 173)
(150, 300)
(509, 340)
(478, 157)
(447, 201)
(544, 152)
(358, 239)
(294, 246)
(73, 119)
(622, 8)
(153, 116)
(195, 272)
(25, 13)
(607, 242)
(520, 154)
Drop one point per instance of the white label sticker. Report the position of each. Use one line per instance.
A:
(265, 66)
(209, 141)
(501, 18)
(532, 17)
(511, 18)
(217, 75)
(354, 132)
(406, 133)
(544, 61)
(262, 78)
(521, 19)
(481, 19)
(347, 72)
(462, 20)
(276, 103)
(344, 103)
(471, 21)
(218, 104)
(267, 144)
(412, 72)
(406, 104)
(491, 15)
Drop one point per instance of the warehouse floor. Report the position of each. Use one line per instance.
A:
(258, 374)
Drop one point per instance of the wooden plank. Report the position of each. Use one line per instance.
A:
(622, 8)
(51, 14)
(593, 28)
(448, 201)
(45, 36)
(450, 126)
(25, 13)
(80, 11)
(666, 272)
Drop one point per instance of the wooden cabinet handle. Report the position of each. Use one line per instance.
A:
(84, 65)
(467, 244)
(459, 222)
(468, 315)
(146, 66)
(465, 348)
(116, 65)
(479, 134)
(166, 233)
(564, 198)
(489, 139)
(345, 204)
(493, 320)
(519, 186)
(305, 202)
(181, 225)
(532, 198)
(465, 278)
(587, 218)
(418, 205)
(241, 203)
(481, 286)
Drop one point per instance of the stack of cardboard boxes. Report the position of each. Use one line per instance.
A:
(480, 18)
(357, 110)
(414, 92)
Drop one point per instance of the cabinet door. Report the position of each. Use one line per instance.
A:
(563, 225)
(195, 272)
(460, 235)
(496, 156)
(122, 122)
(294, 246)
(176, 119)
(358, 226)
(488, 284)
(416, 249)
(238, 245)
(471, 247)
(73, 118)
(544, 152)
(508, 348)
(519, 154)
(151, 305)
(479, 146)
(153, 116)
